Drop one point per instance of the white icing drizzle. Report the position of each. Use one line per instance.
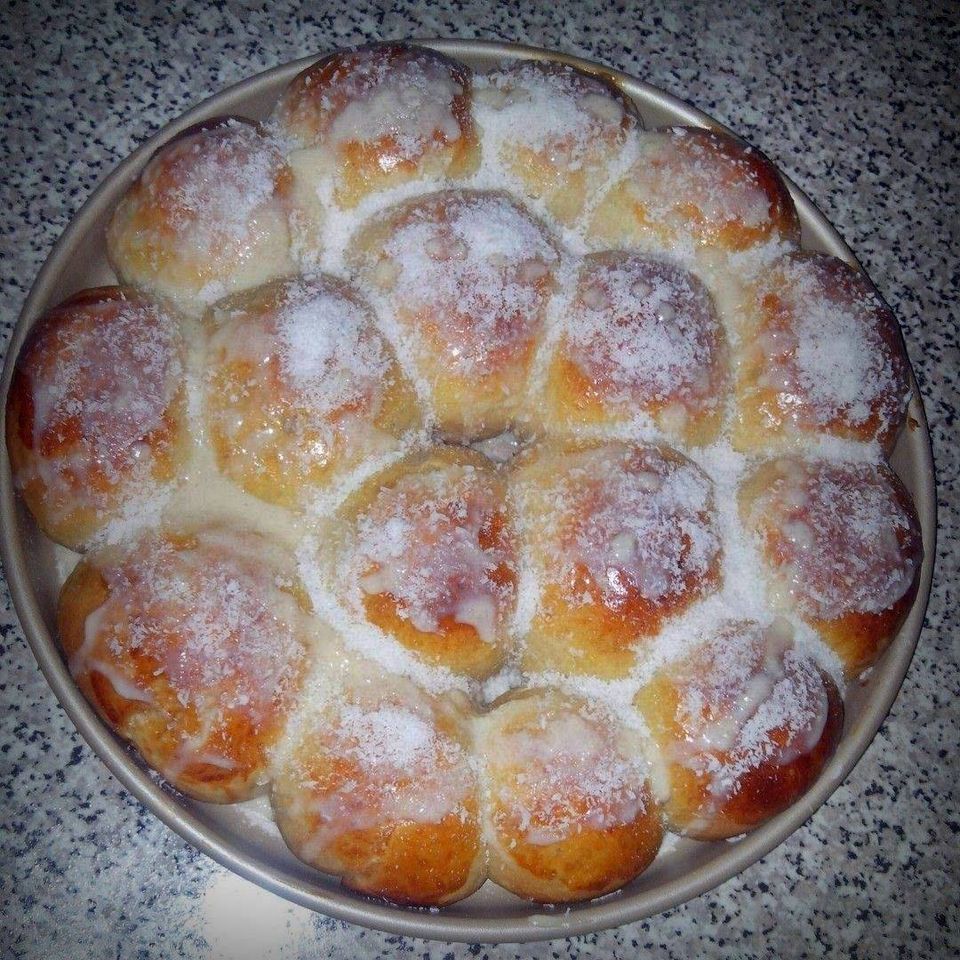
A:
(737, 688)
(826, 346)
(636, 519)
(468, 275)
(571, 119)
(368, 97)
(400, 766)
(471, 276)
(839, 536)
(681, 169)
(421, 541)
(318, 354)
(104, 377)
(563, 774)
(645, 332)
(220, 631)
(216, 216)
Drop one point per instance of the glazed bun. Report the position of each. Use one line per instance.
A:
(744, 723)
(301, 388)
(425, 551)
(619, 538)
(96, 412)
(466, 277)
(558, 133)
(362, 120)
(820, 354)
(374, 784)
(641, 346)
(699, 191)
(842, 546)
(207, 217)
(570, 813)
(191, 645)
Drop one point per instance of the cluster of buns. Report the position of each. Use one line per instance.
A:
(495, 482)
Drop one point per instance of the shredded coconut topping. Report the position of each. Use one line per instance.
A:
(646, 332)
(465, 279)
(690, 179)
(301, 377)
(329, 349)
(432, 541)
(104, 377)
(841, 536)
(470, 272)
(747, 699)
(828, 345)
(220, 631)
(564, 774)
(639, 521)
(391, 763)
(378, 94)
(215, 183)
(567, 117)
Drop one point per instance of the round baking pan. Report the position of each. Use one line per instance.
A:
(242, 837)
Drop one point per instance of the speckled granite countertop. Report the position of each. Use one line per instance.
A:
(860, 107)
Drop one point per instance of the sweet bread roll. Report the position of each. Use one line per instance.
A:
(425, 551)
(744, 724)
(193, 647)
(620, 538)
(641, 340)
(558, 132)
(375, 784)
(695, 189)
(466, 276)
(569, 811)
(820, 354)
(842, 545)
(301, 387)
(375, 117)
(207, 217)
(96, 412)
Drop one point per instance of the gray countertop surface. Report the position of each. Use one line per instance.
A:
(859, 104)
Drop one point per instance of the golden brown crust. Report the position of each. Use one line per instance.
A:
(641, 339)
(77, 451)
(650, 209)
(582, 625)
(270, 431)
(394, 821)
(394, 811)
(197, 718)
(565, 820)
(718, 791)
(431, 484)
(467, 276)
(814, 304)
(366, 163)
(843, 546)
(566, 170)
(207, 217)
